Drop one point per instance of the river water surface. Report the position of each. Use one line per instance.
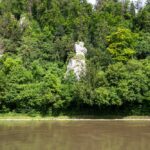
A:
(75, 135)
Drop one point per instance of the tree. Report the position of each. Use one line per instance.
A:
(143, 46)
(9, 27)
(132, 9)
(143, 19)
(121, 44)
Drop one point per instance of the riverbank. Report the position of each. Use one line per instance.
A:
(14, 116)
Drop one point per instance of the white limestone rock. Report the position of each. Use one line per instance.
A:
(80, 49)
(77, 63)
(23, 22)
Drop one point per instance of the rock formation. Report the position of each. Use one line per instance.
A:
(1, 49)
(23, 22)
(77, 63)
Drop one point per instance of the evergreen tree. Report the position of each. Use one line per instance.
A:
(132, 10)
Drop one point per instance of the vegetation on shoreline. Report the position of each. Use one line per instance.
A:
(16, 116)
(37, 39)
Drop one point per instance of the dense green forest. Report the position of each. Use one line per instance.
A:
(37, 40)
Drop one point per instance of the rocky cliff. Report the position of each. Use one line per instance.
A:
(77, 64)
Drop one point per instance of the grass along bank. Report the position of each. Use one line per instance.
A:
(18, 116)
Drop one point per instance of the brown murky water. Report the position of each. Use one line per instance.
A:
(75, 135)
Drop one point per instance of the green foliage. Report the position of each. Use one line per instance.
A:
(9, 27)
(132, 9)
(121, 44)
(143, 45)
(124, 83)
(143, 19)
(36, 50)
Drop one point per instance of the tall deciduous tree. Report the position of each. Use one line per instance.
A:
(121, 44)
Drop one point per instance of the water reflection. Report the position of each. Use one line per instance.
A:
(74, 135)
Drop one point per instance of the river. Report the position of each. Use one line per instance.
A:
(74, 135)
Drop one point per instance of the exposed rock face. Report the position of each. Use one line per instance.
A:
(23, 22)
(1, 49)
(77, 63)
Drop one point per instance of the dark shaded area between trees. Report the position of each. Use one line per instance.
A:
(37, 38)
